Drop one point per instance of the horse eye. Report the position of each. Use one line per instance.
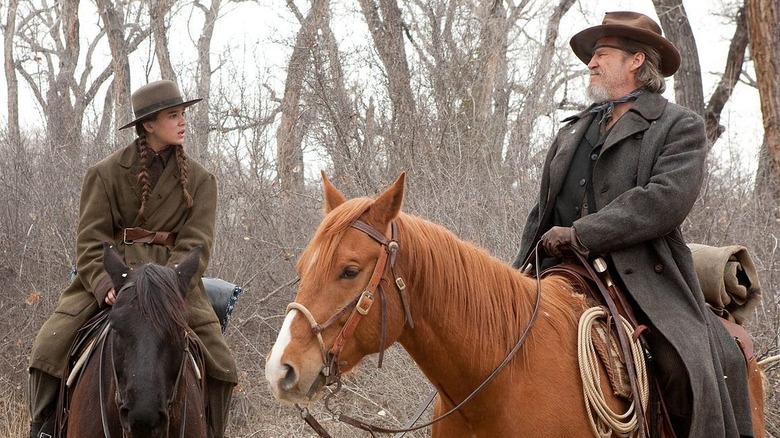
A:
(350, 272)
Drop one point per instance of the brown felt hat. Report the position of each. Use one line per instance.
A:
(631, 25)
(155, 97)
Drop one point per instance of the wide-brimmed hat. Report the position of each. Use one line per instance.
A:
(155, 97)
(631, 25)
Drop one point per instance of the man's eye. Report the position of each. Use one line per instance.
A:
(350, 272)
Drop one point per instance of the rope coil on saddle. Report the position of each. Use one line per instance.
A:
(604, 420)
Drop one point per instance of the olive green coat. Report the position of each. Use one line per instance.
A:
(110, 200)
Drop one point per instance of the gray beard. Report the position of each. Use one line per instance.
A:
(597, 93)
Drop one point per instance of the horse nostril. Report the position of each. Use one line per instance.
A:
(290, 378)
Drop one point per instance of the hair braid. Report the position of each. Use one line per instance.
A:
(143, 174)
(181, 159)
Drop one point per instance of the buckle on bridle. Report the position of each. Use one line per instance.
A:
(365, 302)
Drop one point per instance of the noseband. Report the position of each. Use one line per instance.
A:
(360, 305)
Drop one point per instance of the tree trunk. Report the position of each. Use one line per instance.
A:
(763, 18)
(63, 119)
(539, 96)
(677, 29)
(491, 99)
(289, 133)
(158, 10)
(12, 85)
(200, 118)
(386, 26)
(113, 23)
(731, 74)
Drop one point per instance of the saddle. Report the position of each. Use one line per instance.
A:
(595, 283)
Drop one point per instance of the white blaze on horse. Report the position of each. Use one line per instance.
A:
(373, 275)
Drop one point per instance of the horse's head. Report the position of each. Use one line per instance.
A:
(147, 339)
(345, 287)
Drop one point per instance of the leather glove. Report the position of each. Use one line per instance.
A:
(556, 238)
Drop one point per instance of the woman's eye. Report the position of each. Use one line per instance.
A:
(350, 272)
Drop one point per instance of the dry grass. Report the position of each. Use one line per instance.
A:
(259, 237)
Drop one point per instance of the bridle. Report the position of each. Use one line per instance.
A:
(360, 306)
(187, 353)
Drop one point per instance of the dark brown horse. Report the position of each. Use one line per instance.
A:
(144, 378)
(456, 310)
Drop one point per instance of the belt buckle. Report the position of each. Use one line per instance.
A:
(124, 238)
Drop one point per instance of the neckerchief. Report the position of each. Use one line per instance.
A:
(605, 109)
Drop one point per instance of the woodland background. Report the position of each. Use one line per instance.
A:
(463, 95)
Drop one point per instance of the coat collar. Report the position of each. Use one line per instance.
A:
(650, 106)
(647, 108)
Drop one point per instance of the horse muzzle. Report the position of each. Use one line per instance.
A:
(289, 385)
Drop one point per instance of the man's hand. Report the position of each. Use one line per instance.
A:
(557, 237)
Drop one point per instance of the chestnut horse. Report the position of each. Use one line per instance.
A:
(144, 378)
(456, 310)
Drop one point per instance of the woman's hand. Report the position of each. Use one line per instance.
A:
(111, 297)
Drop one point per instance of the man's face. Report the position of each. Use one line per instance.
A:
(611, 73)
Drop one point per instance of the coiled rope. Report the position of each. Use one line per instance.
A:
(603, 419)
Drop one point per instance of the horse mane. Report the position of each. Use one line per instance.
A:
(493, 299)
(157, 296)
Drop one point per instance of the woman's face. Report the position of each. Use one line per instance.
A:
(167, 129)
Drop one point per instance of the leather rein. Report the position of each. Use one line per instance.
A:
(105, 338)
(360, 306)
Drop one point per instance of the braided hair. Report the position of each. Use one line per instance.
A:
(143, 174)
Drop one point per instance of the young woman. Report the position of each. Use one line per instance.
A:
(155, 204)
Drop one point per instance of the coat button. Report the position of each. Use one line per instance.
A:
(628, 271)
(658, 268)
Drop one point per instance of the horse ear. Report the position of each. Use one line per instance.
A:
(333, 197)
(388, 204)
(114, 265)
(187, 267)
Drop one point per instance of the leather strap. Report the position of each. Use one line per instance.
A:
(129, 236)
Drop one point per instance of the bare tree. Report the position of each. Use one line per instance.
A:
(290, 133)
(200, 118)
(12, 85)
(387, 28)
(688, 89)
(49, 40)
(538, 98)
(113, 23)
(763, 17)
(158, 12)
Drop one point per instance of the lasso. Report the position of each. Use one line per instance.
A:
(603, 419)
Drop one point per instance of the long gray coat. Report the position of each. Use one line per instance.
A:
(110, 200)
(645, 183)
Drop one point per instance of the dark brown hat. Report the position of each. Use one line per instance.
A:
(631, 25)
(155, 97)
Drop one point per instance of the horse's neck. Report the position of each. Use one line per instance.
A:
(467, 307)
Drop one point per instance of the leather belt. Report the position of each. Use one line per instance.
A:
(129, 236)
